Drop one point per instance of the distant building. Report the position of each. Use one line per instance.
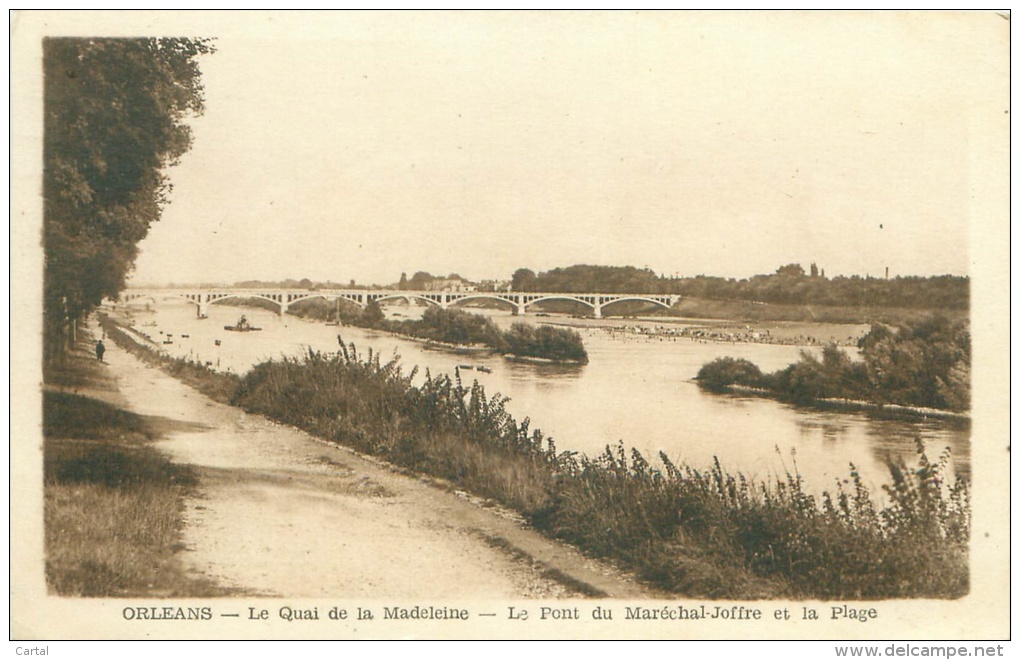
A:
(450, 286)
(494, 286)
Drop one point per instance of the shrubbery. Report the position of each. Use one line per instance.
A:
(455, 326)
(922, 364)
(452, 326)
(719, 374)
(544, 341)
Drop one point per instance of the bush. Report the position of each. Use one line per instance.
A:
(923, 364)
(545, 341)
(457, 327)
(722, 372)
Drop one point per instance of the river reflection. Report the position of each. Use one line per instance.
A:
(635, 389)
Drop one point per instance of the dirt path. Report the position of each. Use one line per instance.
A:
(281, 513)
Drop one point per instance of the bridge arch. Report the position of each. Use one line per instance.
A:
(156, 297)
(216, 297)
(484, 296)
(407, 296)
(307, 297)
(636, 298)
(325, 296)
(571, 298)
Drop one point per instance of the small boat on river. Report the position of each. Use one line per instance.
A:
(242, 326)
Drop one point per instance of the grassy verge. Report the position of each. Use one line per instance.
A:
(697, 533)
(113, 505)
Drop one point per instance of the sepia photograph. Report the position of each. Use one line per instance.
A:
(379, 325)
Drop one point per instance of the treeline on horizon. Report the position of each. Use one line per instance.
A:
(790, 284)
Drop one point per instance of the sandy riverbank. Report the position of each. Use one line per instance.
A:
(279, 512)
(717, 330)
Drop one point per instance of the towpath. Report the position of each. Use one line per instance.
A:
(278, 512)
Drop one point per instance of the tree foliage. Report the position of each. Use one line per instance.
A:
(792, 288)
(115, 112)
(455, 326)
(588, 279)
(788, 285)
(926, 363)
(545, 341)
(523, 280)
(790, 270)
(373, 316)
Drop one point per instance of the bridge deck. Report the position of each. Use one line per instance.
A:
(285, 297)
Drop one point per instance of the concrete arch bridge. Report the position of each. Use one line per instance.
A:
(283, 298)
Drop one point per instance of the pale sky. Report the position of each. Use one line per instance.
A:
(360, 146)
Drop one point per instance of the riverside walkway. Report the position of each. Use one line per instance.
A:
(278, 512)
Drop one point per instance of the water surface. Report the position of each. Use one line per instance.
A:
(636, 389)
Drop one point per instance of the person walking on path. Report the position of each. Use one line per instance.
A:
(100, 350)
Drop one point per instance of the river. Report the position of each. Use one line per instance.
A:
(635, 388)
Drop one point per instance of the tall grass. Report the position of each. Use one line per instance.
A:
(114, 540)
(440, 427)
(113, 505)
(843, 546)
(696, 532)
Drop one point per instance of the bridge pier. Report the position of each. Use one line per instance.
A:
(203, 305)
(283, 306)
(597, 311)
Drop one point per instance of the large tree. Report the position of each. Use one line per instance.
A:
(523, 279)
(115, 112)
